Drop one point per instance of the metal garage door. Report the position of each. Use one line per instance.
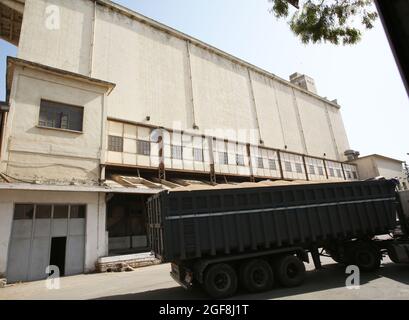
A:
(43, 235)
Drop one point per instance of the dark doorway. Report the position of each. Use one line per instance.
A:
(126, 224)
(57, 255)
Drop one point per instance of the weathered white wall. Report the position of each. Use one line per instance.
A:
(388, 168)
(173, 80)
(95, 244)
(58, 33)
(149, 68)
(366, 168)
(39, 153)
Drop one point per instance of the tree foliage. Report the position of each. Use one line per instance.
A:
(335, 21)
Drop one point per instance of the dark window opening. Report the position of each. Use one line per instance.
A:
(298, 167)
(43, 211)
(23, 212)
(61, 116)
(77, 212)
(61, 212)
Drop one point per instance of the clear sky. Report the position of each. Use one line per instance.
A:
(364, 78)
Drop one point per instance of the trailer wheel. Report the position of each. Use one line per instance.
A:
(220, 281)
(367, 257)
(392, 255)
(256, 275)
(290, 271)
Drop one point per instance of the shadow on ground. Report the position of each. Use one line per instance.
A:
(332, 276)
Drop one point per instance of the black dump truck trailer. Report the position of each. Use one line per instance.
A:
(255, 236)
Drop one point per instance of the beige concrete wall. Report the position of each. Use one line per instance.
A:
(95, 244)
(366, 168)
(179, 83)
(149, 68)
(33, 152)
(58, 33)
(389, 169)
(316, 127)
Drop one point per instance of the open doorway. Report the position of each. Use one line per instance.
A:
(126, 224)
(57, 254)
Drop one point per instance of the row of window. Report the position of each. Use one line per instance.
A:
(116, 144)
(143, 148)
(48, 211)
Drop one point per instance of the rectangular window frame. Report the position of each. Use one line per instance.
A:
(198, 154)
(143, 147)
(223, 158)
(178, 154)
(240, 160)
(113, 146)
(64, 118)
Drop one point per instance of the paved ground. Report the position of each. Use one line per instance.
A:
(390, 282)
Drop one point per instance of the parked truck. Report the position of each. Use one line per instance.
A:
(222, 238)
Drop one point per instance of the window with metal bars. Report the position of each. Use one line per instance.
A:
(198, 154)
(287, 166)
(239, 159)
(298, 167)
(223, 158)
(115, 144)
(143, 147)
(272, 164)
(260, 163)
(177, 152)
(331, 172)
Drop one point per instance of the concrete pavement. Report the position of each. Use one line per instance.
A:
(390, 282)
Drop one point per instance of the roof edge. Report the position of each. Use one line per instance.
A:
(375, 155)
(12, 62)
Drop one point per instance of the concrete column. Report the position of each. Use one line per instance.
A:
(95, 246)
(6, 222)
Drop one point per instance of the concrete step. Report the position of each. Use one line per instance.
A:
(127, 262)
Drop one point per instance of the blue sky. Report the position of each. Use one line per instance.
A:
(364, 78)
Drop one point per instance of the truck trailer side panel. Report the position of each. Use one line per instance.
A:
(206, 223)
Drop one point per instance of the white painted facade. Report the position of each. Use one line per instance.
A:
(131, 75)
(177, 80)
(95, 244)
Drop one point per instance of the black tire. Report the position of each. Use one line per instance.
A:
(366, 256)
(256, 276)
(290, 271)
(220, 281)
(392, 255)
